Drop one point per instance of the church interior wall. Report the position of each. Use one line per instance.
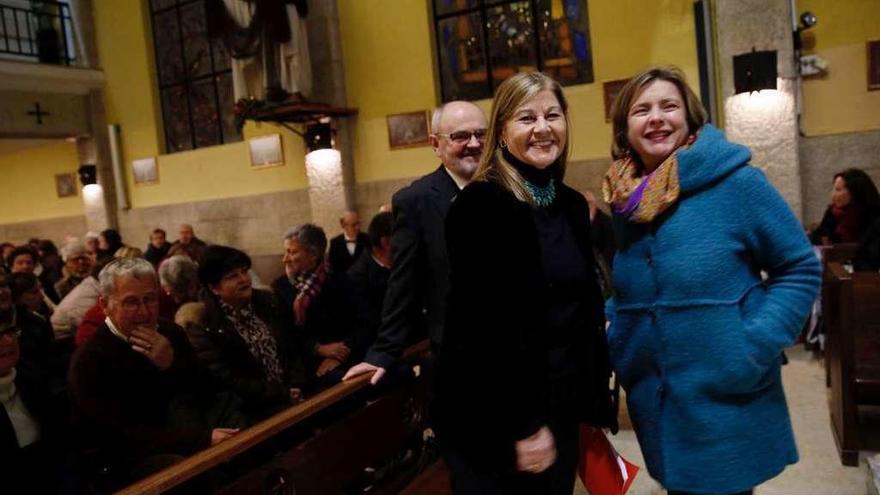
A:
(30, 198)
(840, 118)
(389, 68)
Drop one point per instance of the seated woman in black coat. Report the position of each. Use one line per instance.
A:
(524, 357)
(855, 206)
(237, 333)
(316, 303)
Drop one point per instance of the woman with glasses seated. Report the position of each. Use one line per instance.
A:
(236, 332)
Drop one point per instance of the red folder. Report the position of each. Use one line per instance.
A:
(602, 470)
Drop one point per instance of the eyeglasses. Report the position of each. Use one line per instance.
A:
(13, 332)
(462, 137)
(132, 303)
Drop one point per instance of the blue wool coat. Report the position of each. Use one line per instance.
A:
(696, 336)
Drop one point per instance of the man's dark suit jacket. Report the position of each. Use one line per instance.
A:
(338, 255)
(419, 281)
(369, 281)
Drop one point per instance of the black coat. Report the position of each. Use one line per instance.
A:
(338, 255)
(155, 255)
(493, 373)
(229, 361)
(418, 284)
(369, 281)
(329, 318)
(868, 256)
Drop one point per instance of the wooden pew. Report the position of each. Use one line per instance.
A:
(837, 253)
(332, 459)
(853, 359)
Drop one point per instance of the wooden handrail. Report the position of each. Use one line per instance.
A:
(206, 459)
(837, 271)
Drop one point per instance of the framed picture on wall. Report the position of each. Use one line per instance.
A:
(266, 151)
(609, 91)
(65, 185)
(407, 130)
(145, 171)
(873, 65)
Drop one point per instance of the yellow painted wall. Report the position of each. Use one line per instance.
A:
(131, 98)
(840, 101)
(389, 69)
(29, 183)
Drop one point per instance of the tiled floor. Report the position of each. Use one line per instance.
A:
(819, 471)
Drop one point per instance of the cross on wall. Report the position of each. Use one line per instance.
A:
(38, 113)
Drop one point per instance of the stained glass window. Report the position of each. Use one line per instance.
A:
(480, 43)
(194, 77)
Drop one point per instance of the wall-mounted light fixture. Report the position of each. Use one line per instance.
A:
(754, 71)
(88, 174)
(319, 136)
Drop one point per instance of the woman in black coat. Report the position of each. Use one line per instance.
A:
(524, 357)
(238, 334)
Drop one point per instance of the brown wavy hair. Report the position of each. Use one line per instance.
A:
(695, 113)
(509, 96)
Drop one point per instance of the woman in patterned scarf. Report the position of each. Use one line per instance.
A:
(317, 307)
(237, 333)
(696, 335)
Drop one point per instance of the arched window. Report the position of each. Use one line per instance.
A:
(480, 43)
(194, 77)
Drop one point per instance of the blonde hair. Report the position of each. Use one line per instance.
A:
(128, 252)
(695, 113)
(509, 96)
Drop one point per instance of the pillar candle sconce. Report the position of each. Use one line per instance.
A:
(319, 136)
(754, 71)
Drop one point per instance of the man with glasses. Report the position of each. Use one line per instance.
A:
(138, 398)
(417, 286)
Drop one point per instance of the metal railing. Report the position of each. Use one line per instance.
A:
(37, 31)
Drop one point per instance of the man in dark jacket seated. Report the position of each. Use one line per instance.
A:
(138, 398)
(369, 280)
(348, 246)
(316, 304)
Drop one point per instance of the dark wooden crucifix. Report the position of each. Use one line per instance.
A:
(38, 113)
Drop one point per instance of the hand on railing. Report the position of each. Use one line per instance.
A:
(220, 434)
(362, 368)
(334, 350)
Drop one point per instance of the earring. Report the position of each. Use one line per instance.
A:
(502, 143)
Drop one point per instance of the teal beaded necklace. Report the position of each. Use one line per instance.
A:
(543, 196)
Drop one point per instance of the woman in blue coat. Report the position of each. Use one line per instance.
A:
(714, 277)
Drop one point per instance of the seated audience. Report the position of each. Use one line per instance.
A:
(35, 340)
(109, 241)
(316, 303)
(138, 398)
(369, 279)
(855, 205)
(347, 247)
(77, 266)
(27, 449)
(128, 252)
(27, 292)
(94, 317)
(5, 250)
(51, 268)
(71, 311)
(188, 243)
(158, 247)
(237, 334)
(179, 277)
(22, 259)
(91, 242)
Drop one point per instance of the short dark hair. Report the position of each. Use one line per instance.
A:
(159, 231)
(311, 236)
(21, 283)
(217, 261)
(47, 247)
(20, 251)
(380, 226)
